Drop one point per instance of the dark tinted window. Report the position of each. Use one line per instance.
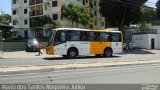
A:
(25, 1)
(91, 36)
(84, 36)
(96, 36)
(55, 17)
(60, 37)
(104, 37)
(116, 37)
(54, 3)
(14, 1)
(25, 11)
(74, 35)
(14, 12)
(51, 38)
(25, 21)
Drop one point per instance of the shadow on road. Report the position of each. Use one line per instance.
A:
(84, 57)
(139, 51)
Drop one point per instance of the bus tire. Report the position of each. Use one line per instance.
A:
(72, 53)
(108, 52)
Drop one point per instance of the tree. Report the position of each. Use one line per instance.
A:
(76, 13)
(5, 19)
(41, 22)
(158, 9)
(147, 15)
(121, 12)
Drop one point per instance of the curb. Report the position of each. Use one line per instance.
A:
(73, 66)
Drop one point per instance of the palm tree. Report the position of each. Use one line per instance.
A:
(41, 22)
(76, 13)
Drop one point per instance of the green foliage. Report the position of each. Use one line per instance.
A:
(121, 12)
(147, 14)
(145, 26)
(5, 19)
(76, 13)
(37, 29)
(45, 21)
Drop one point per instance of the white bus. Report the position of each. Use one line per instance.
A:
(73, 42)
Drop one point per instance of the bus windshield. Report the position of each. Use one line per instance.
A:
(50, 38)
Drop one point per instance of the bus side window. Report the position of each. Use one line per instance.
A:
(63, 37)
(91, 36)
(74, 35)
(104, 37)
(84, 36)
(109, 37)
(96, 36)
(57, 38)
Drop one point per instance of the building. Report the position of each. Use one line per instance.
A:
(24, 13)
(147, 39)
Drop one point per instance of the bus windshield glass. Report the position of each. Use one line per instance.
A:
(50, 38)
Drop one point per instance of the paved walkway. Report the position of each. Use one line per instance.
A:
(23, 54)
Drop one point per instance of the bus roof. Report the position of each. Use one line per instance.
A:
(79, 29)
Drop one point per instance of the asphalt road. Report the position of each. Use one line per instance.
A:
(135, 55)
(135, 74)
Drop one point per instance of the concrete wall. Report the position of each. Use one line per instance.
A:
(144, 40)
(14, 46)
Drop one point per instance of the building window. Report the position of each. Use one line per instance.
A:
(95, 3)
(45, 6)
(102, 23)
(25, 1)
(39, 1)
(14, 22)
(14, 12)
(54, 3)
(25, 11)
(14, 1)
(95, 13)
(84, 2)
(25, 22)
(55, 17)
(95, 23)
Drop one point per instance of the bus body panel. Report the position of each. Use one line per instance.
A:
(60, 49)
(117, 47)
(83, 47)
(50, 50)
(98, 47)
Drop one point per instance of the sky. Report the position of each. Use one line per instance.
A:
(5, 5)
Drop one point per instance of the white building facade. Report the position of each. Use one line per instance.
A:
(147, 39)
(24, 13)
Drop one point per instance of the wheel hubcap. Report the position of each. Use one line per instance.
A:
(72, 53)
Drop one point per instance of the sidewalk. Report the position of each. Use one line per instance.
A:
(23, 54)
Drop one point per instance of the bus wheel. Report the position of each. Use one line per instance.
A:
(108, 52)
(72, 53)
